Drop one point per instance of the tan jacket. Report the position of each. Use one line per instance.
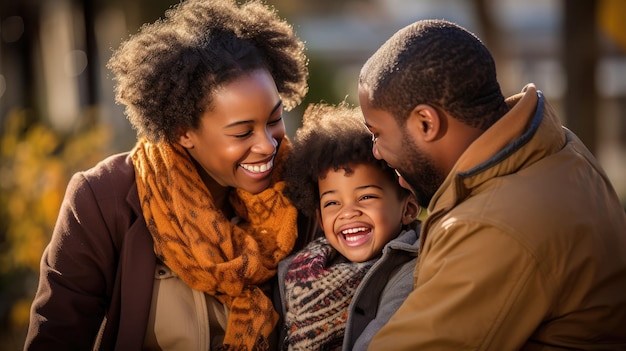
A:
(524, 248)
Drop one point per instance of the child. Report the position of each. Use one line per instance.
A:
(342, 287)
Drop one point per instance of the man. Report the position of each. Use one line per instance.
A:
(525, 243)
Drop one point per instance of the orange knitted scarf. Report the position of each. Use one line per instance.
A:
(206, 250)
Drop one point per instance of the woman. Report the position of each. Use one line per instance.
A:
(170, 246)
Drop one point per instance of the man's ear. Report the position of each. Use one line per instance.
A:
(185, 140)
(411, 210)
(424, 122)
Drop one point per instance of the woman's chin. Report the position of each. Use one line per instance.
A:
(257, 186)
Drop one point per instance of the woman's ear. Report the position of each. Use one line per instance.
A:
(411, 210)
(184, 139)
(424, 121)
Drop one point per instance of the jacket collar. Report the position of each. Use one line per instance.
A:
(527, 133)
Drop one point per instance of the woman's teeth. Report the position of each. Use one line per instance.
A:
(258, 168)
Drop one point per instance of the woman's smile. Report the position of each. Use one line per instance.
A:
(258, 168)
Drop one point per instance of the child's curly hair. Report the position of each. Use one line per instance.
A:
(331, 138)
(166, 73)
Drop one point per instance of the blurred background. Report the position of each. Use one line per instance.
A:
(57, 113)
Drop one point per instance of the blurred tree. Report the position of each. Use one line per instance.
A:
(580, 56)
(490, 33)
(612, 20)
(19, 25)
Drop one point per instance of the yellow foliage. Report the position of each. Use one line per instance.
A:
(36, 163)
(612, 20)
(36, 166)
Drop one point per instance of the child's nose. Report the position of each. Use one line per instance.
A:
(350, 211)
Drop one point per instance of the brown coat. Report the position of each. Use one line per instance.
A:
(97, 273)
(99, 263)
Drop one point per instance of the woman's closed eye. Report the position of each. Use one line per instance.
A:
(247, 133)
(243, 135)
(275, 122)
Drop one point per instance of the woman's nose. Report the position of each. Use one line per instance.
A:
(266, 144)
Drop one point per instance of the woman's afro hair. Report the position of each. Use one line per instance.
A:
(332, 137)
(166, 73)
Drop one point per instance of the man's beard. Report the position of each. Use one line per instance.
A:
(419, 171)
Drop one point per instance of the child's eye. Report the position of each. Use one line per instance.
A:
(329, 203)
(368, 197)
